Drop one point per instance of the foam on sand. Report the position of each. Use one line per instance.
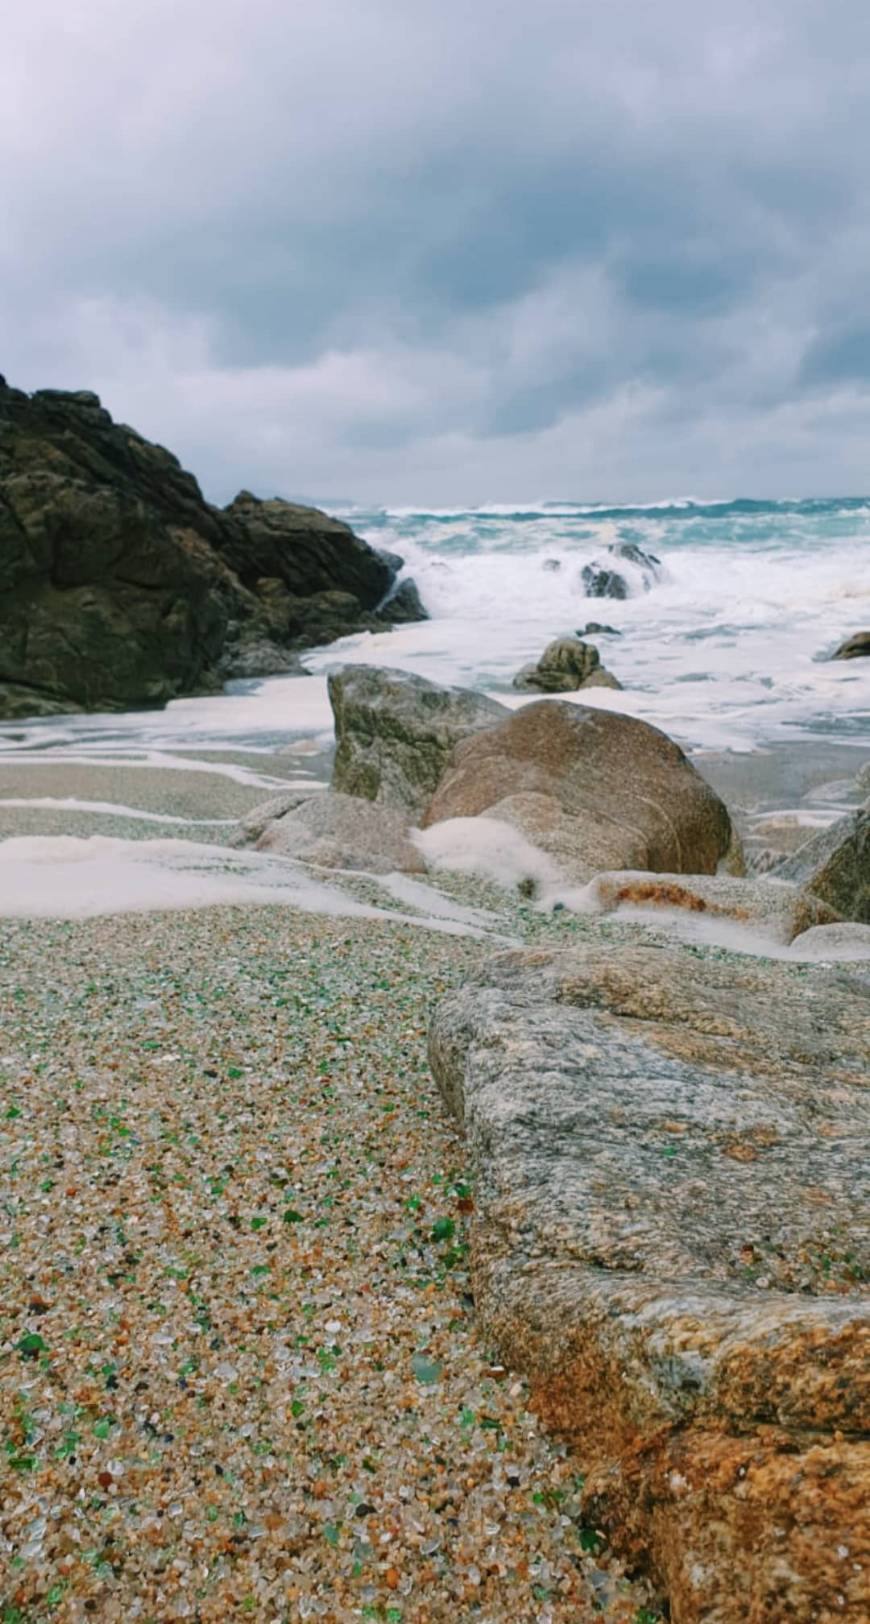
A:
(496, 851)
(70, 803)
(68, 877)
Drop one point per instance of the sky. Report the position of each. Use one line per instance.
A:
(444, 252)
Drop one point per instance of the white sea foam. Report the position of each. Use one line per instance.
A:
(66, 877)
(753, 941)
(69, 803)
(487, 847)
(727, 650)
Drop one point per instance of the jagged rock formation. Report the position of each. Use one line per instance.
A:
(121, 586)
(604, 581)
(669, 1240)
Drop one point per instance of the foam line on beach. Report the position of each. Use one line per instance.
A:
(162, 759)
(69, 803)
(73, 877)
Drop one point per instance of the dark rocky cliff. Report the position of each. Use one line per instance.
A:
(120, 586)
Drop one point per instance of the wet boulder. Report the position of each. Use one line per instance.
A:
(600, 582)
(605, 580)
(592, 788)
(856, 647)
(395, 733)
(403, 606)
(566, 665)
(773, 909)
(339, 831)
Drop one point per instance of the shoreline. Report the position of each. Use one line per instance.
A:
(202, 802)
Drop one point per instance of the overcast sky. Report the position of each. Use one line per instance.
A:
(449, 251)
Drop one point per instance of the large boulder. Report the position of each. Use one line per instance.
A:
(835, 865)
(593, 789)
(306, 550)
(339, 831)
(121, 586)
(566, 665)
(667, 1148)
(856, 647)
(395, 733)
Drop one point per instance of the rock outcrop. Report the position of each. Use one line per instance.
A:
(603, 580)
(828, 943)
(566, 665)
(338, 831)
(395, 733)
(835, 866)
(593, 789)
(775, 909)
(668, 1241)
(403, 606)
(856, 647)
(600, 582)
(121, 586)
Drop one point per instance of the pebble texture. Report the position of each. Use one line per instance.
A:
(239, 1368)
(670, 1237)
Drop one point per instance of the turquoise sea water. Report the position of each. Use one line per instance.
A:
(727, 646)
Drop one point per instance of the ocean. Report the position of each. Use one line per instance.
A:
(724, 642)
(727, 649)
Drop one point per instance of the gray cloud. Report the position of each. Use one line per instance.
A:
(444, 252)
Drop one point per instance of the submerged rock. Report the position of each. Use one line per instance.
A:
(835, 865)
(648, 563)
(120, 586)
(856, 647)
(603, 581)
(602, 678)
(566, 665)
(403, 606)
(395, 733)
(599, 582)
(593, 789)
(666, 1146)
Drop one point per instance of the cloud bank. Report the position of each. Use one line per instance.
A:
(445, 253)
